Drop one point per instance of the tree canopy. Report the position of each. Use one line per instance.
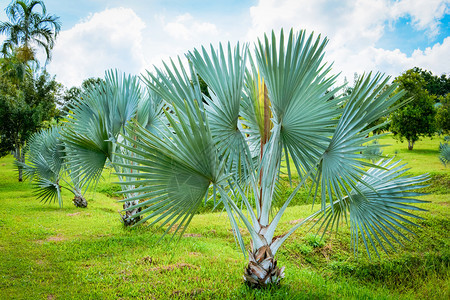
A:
(23, 109)
(443, 114)
(435, 85)
(416, 118)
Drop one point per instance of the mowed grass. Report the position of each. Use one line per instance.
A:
(72, 253)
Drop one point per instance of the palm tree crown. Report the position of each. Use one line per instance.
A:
(28, 28)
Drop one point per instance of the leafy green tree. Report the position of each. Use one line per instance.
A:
(443, 114)
(28, 29)
(417, 117)
(13, 69)
(27, 99)
(23, 109)
(435, 85)
(235, 145)
(91, 82)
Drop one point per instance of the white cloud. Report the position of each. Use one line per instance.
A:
(434, 58)
(394, 62)
(425, 14)
(175, 35)
(187, 28)
(354, 27)
(105, 40)
(349, 23)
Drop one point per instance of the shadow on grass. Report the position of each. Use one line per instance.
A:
(420, 151)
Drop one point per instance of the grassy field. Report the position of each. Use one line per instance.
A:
(72, 253)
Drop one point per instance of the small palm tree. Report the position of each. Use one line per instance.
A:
(28, 29)
(96, 123)
(46, 167)
(275, 112)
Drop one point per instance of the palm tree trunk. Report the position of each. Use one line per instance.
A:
(19, 155)
(128, 219)
(262, 270)
(79, 201)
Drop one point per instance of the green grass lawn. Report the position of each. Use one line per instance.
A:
(73, 253)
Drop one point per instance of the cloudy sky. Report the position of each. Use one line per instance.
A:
(133, 35)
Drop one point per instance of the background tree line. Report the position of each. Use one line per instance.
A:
(426, 111)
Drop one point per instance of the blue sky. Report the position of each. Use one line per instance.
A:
(134, 35)
(402, 35)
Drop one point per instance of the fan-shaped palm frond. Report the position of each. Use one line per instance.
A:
(149, 113)
(175, 170)
(297, 85)
(444, 154)
(341, 165)
(175, 86)
(303, 116)
(96, 121)
(44, 165)
(224, 71)
(378, 207)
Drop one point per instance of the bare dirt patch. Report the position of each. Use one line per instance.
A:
(179, 266)
(175, 227)
(300, 220)
(295, 221)
(326, 251)
(74, 214)
(84, 214)
(191, 294)
(192, 235)
(55, 238)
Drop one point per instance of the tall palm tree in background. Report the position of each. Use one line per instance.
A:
(28, 29)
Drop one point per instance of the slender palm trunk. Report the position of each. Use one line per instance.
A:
(129, 218)
(262, 269)
(19, 155)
